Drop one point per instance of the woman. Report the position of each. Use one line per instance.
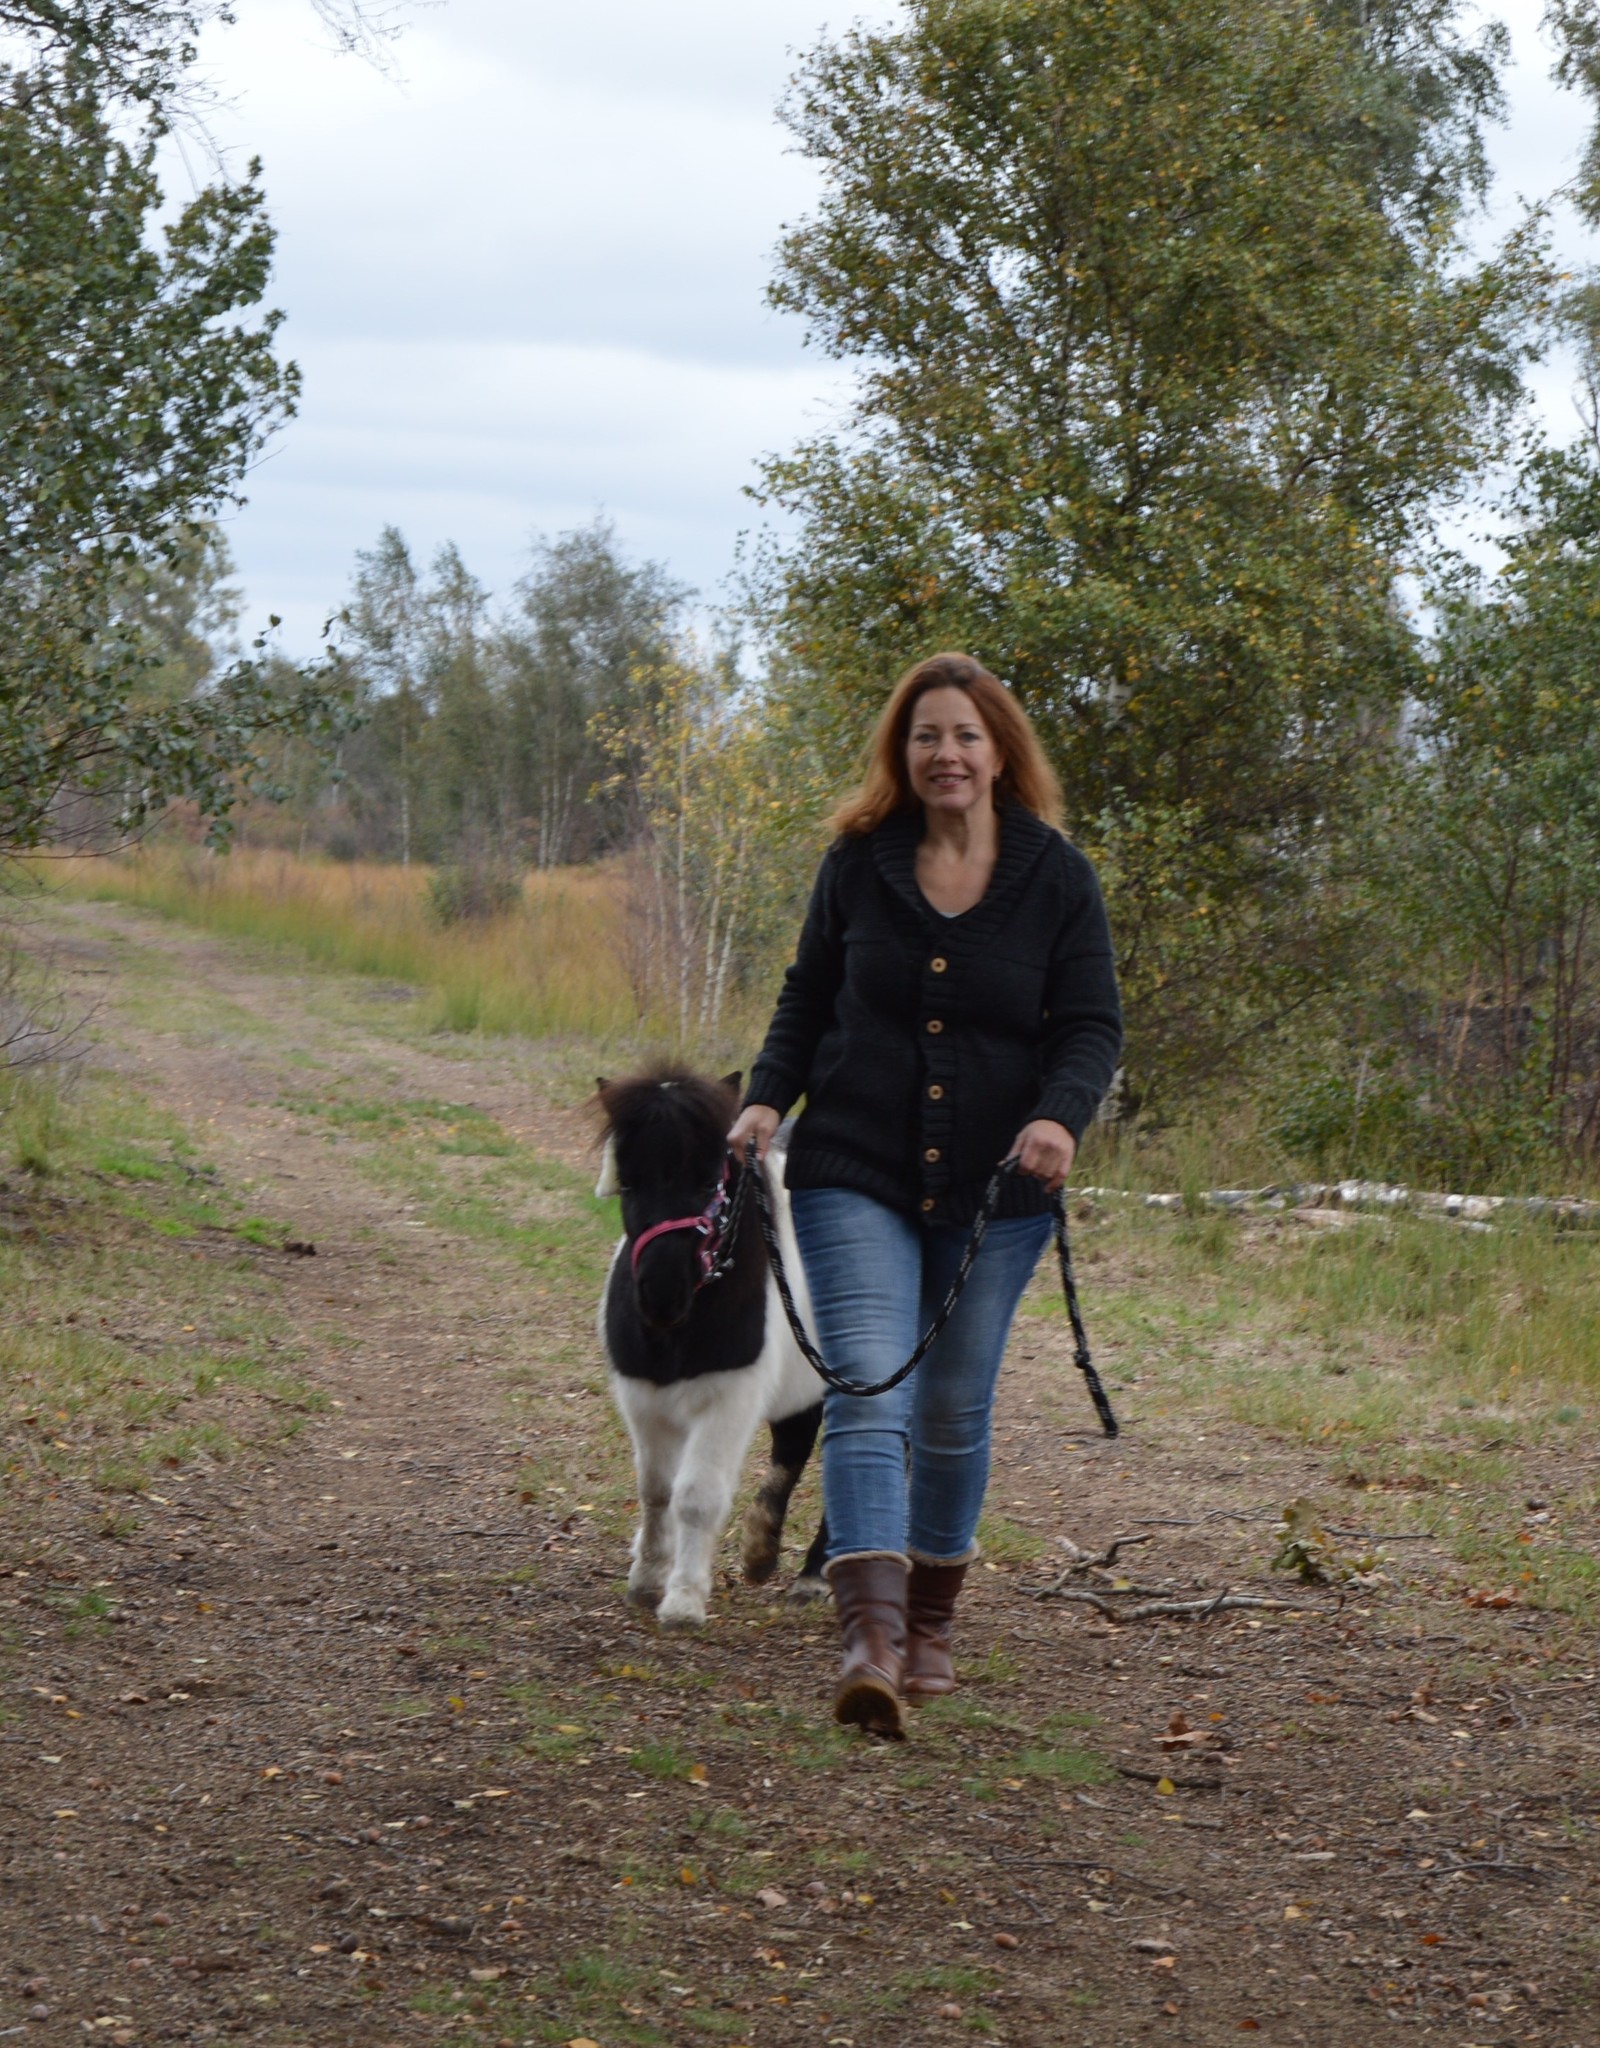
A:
(953, 1000)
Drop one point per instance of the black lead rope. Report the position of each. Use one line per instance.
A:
(980, 1229)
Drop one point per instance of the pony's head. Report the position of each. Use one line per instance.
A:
(666, 1139)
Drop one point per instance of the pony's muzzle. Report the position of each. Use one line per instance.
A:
(664, 1286)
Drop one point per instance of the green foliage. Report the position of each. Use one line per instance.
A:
(471, 892)
(1474, 1057)
(482, 731)
(1168, 346)
(139, 381)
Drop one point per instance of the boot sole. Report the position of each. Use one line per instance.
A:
(918, 1694)
(871, 1704)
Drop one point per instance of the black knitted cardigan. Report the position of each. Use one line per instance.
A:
(923, 1043)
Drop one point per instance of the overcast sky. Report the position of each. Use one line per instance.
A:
(524, 275)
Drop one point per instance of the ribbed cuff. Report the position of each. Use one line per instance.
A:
(771, 1087)
(861, 1556)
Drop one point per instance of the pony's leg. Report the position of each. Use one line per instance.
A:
(658, 1441)
(793, 1440)
(703, 1497)
(811, 1585)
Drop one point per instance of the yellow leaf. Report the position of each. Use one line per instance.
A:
(1165, 1785)
(567, 1728)
(456, 1704)
(698, 1774)
(686, 1875)
(1293, 1913)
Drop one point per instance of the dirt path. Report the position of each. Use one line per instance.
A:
(370, 1752)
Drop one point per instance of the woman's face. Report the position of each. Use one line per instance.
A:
(951, 758)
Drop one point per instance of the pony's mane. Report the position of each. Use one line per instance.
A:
(665, 1097)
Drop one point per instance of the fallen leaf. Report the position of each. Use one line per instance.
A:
(1170, 2007)
(698, 1774)
(486, 1976)
(1165, 1786)
(1478, 1597)
(771, 1897)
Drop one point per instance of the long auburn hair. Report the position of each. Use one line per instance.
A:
(1026, 777)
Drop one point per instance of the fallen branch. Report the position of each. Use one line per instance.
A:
(1216, 1783)
(1146, 1610)
(1091, 1560)
(1484, 1867)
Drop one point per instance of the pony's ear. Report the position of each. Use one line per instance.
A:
(608, 1184)
(734, 1082)
(601, 1085)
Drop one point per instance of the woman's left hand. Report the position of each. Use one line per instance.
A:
(1046, 1151)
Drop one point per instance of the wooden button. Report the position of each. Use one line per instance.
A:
(936, 1093)
(927, 1204)
(938, 966)
(935, 1026)
(932, 1155)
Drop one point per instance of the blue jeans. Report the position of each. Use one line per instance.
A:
(876, 1279)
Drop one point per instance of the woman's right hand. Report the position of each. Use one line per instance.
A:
(756, 1120)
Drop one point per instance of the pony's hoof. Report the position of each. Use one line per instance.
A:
(645, 1594)
(805, 1590)
(680, 1617)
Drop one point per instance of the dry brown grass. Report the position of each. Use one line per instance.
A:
(553, 965)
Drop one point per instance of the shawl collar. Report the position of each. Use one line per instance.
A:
(1023, 839)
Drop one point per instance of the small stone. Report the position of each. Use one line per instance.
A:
(160, 1919)
(1006, 1941)
(38, 2012)
(949, 2012)
(333, 1777)
(34, 1986)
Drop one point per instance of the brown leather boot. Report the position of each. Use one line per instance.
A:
(930, 1605)
(870, 1596)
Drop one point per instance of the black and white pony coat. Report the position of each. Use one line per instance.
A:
(698, 1363)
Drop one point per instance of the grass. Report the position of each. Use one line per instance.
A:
(138, 1337)
(555, 964)
(1429, 1362)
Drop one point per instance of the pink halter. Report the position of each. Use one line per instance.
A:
(708, 1224)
